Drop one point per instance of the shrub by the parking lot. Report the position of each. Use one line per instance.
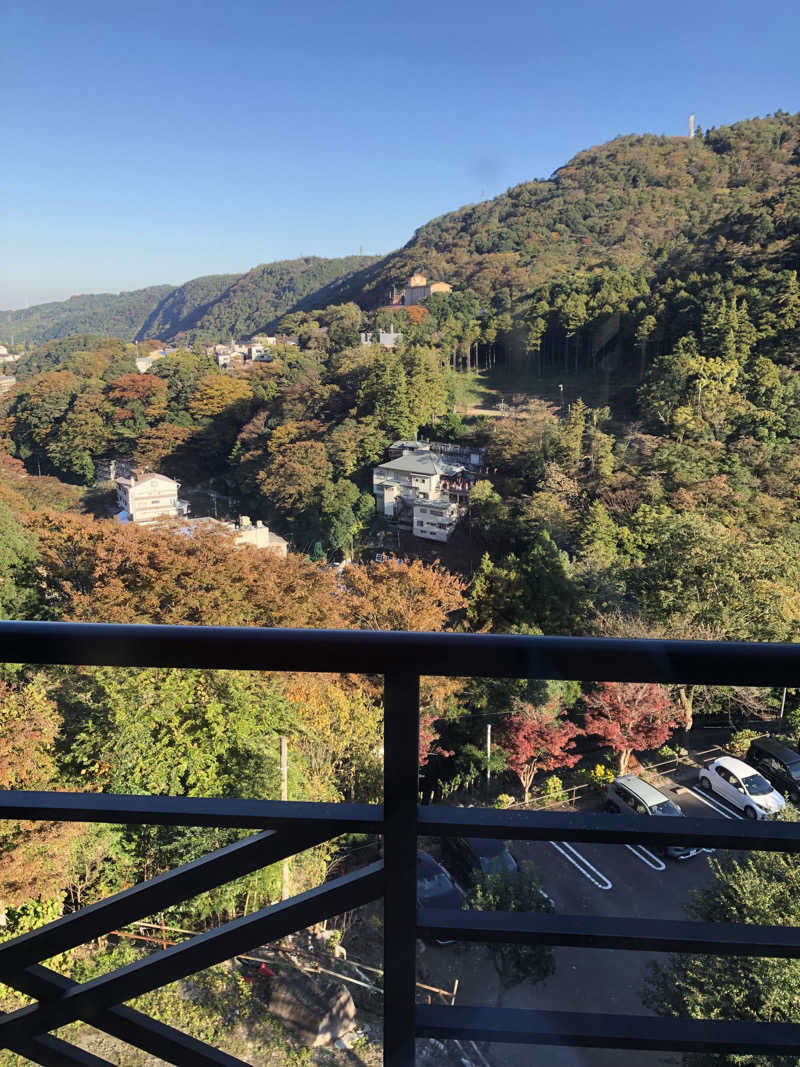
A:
(504, 800)
(740, 742)
(791, 724)
(515, 891)
(666, 753)
(598, 776)
(553, 790)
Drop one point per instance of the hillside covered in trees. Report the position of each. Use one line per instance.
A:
(209, 308)
(549, 261)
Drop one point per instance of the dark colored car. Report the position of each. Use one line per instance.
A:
(633, 796)
(467, 858)
(779, 764)
(435, 887)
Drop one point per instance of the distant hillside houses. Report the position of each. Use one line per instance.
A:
(144, 363)
(424, 486)
(386, 338)
(417, 290)
(148, 499)
(240, 352)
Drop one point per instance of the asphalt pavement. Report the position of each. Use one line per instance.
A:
(587, 879)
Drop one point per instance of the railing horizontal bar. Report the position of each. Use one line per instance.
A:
(767, 836)
(53, 1052)
(205, 950)
(128, 1025)
(334, 819)
(590, 931)
(595, 1030)
(161, 892)
(371, 652)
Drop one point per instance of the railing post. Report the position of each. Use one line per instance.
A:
(400, 783)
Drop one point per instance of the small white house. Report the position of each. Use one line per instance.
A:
(145, 497)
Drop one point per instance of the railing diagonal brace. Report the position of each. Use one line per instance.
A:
(88, 1000)
(208, 872)
(127, 1025)
(51, 1051)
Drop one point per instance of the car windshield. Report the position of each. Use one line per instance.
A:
(756, 786)
(666, 807)
(794, 770)
(497, 864)
(434, 884)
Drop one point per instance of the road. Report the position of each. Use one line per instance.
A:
(587, 879)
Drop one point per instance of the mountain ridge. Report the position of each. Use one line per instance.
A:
(641, 204)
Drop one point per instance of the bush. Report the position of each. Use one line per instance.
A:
(504, 800)
(740, 742)
(665, 753)
(515, 891)
(553, 790)
(791, 723)
(599, 775)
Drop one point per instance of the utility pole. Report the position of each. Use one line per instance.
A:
(488, 755)
(284, 796)
(783, 702)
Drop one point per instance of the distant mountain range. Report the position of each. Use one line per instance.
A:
(209, 308)
(648, 205)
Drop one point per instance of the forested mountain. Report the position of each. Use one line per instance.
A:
(254, 301)
(106, 314)
(210, 308)
(640, 204)
(641, 208)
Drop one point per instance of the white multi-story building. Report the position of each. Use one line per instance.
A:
(145, 497)
(422, 490)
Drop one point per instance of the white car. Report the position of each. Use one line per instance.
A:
(742, 786)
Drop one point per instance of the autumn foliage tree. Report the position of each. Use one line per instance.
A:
(630, 717)
(539, 739)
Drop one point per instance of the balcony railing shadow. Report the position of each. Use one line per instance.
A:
(285, 828)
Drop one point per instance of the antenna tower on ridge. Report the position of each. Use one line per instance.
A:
(691, 127)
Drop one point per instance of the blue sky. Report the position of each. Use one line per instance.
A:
(155, 142)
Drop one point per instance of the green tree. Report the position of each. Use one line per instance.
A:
(519, 890)
(763, 888)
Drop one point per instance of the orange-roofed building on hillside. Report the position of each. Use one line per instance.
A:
(417, 290)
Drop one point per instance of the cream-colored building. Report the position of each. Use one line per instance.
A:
(145, 497)
(417, 290)
(259, 535)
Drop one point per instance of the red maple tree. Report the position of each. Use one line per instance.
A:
(539, 739)
(630, 717)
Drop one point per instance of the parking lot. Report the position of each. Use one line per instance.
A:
(589, 879)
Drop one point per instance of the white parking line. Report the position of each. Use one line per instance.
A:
(580, 862)
(646, 856)
(728, 813)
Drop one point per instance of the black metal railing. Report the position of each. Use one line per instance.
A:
(289, 827)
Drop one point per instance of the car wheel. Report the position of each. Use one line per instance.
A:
(750, 813)
(705, 784)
